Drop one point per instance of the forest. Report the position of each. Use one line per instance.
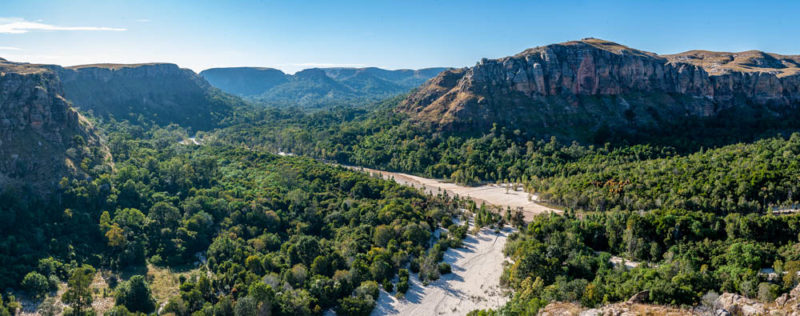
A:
(259, 233)
(698, 219)
(286, 235)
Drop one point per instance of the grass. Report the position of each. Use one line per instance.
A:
(165, 282)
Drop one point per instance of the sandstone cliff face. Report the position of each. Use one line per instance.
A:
(159, 93)
(37, 127)
(593, 82)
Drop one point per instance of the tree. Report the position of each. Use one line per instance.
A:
(118, 310)
(36, 284)
(246, 306)
(135, 295)
(79, 294)
(355, 306)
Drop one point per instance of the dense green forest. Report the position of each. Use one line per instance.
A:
(685, 256)
(697, 218)
(288, 235)
(741, 177)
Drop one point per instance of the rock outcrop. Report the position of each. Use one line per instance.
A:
(724, 305)
(739, 305)
(590, 83)
(158, 93)
(41, 137)
(618, 309)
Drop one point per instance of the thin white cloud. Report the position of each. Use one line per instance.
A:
(21, 26)
(9, 48)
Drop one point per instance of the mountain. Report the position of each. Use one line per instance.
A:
(245, 81)
(42, 139)
(404, 78)
(310, 87)
(157, 92)
(317, 86)
(585, 88)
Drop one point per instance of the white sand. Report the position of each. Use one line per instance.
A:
(491, 194)
(473, 284)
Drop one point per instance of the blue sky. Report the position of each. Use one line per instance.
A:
(293, 35)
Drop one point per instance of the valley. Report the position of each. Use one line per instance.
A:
(523, 185)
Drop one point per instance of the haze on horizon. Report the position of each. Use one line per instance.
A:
(411, 34)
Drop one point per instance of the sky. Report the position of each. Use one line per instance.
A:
(294, 35)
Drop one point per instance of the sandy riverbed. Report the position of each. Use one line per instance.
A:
(473, 284)
(491, 194)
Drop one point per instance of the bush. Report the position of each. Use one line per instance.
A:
(414, 265)
(355, 306)
(118, 310)
(36, 284)
(444, 268)
(247, 306)
(388, 286)
(402, 286)
(136, 296)
(768, 292)
(368, 288)
(156, 260)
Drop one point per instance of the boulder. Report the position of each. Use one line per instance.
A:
(639, 297)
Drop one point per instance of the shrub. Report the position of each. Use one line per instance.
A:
(444, 268)
(36, 284)
(388, 286)
(136, 296)
(402, 286)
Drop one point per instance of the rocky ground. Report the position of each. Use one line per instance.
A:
(726, 304)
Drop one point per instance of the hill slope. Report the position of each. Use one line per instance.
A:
(584, 88)
(159, 93)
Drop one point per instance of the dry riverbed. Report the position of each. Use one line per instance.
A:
(473, 284)
(490, 194)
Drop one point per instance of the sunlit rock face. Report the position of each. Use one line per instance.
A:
(41, 137)
(593, 82)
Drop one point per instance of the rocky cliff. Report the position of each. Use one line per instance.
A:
(573, 89)
(157, 93)
(41, 137)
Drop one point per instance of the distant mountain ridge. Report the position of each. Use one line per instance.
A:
(317, 86)
(577, 89)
